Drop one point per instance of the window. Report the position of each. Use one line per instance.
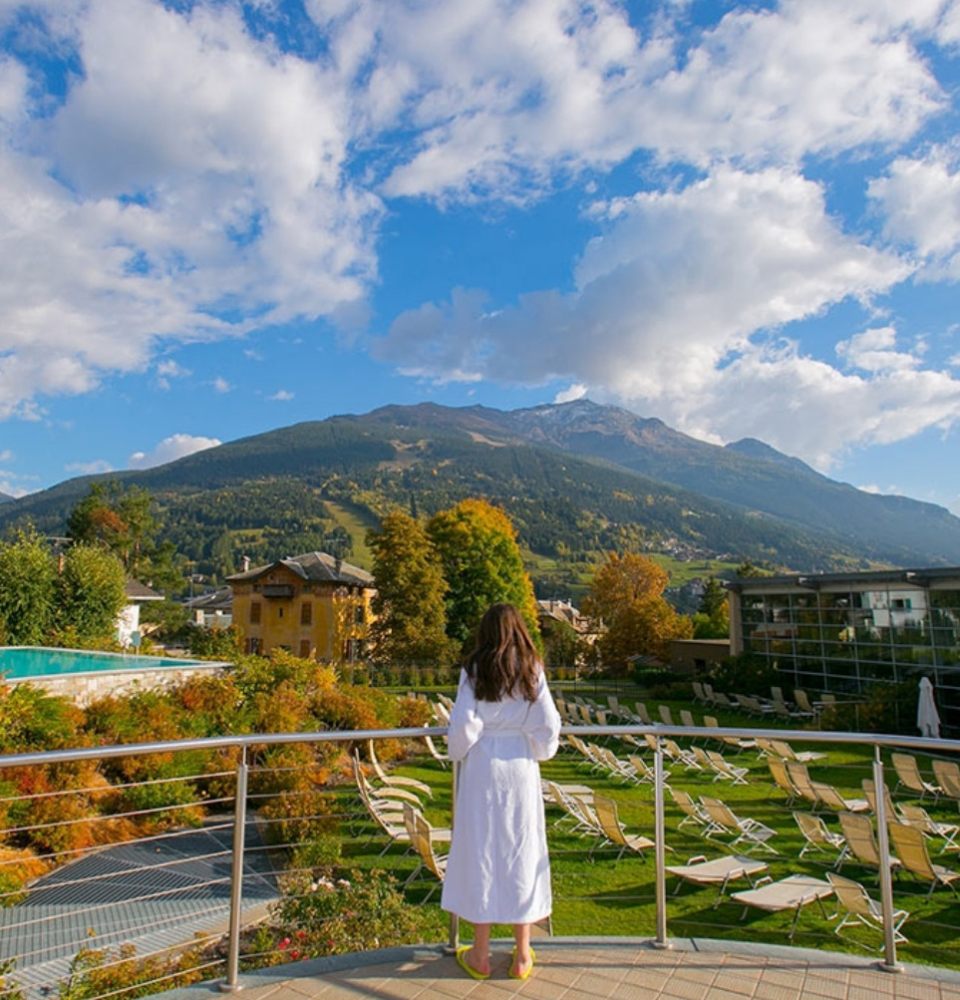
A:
(253, 645)
(279, 612)
(359, 614)
(305, 649)
(254, 612)
(306, 613)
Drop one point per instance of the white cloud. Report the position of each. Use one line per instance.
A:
(282, 396)
(92, 468)
(11, 488)
(576, 390)
(170, 449)
(221, 385)
(921, 201)
(171, 369)
(6, 455)
(874, 351)
(669, 313)
(228, 198)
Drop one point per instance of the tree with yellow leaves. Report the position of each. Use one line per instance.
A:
(626, 597)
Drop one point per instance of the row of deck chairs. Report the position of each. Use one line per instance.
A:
(776, 705)
(713, 818)
(596, 816)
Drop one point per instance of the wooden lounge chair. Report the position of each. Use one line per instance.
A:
(911, 848)
(692, 810)
(856, 906)
(724, 820)
(613, 831)
(914, 815)
(801, 781)
(817, 836)
(870, 794)
(832, 799)
(441, 758)
(718, 871)
(784, 750)
(396, 780)
(861, 842)
(791, 893)
(724, 770)
(578, 809)
(781, 780)
(947, 773)
(908, 775)
(678, 755)
(644, 772)
(422, 840)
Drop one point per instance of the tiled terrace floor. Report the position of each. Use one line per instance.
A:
(693, 970)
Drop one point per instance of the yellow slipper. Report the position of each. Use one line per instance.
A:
(525, 975)
(461, 957)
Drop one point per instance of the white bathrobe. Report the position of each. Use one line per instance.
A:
(498, 870)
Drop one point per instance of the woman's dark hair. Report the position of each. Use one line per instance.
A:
(504, 659)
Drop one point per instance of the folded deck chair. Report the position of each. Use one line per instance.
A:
(832, 799)
(718, 872)
(856, 906)
(911, 848)
(908, 775)
(818, 837)
(861, 842)
(395, 780)
(613, 830)
(724, 820)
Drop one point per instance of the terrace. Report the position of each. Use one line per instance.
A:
(624, 923)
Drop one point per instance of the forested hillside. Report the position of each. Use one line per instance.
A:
(320, 485)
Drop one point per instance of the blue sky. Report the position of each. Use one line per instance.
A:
(220, 217)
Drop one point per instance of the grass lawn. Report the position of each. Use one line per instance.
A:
(600, 895)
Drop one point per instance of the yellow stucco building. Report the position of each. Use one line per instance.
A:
(314, 605)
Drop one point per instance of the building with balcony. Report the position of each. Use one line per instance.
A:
(314, 605)
(842, 632)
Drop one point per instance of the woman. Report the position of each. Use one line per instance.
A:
(503, 722)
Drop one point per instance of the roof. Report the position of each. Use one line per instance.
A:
(220, 599)
(137, 591)
(929, 576)
(319, 567)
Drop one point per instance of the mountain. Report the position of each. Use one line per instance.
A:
(577, 479)
(6, 498)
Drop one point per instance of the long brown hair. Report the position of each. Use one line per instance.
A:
(504, 660)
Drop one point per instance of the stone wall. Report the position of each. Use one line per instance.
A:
(87, 687)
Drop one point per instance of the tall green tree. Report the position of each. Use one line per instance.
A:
(712, 619)
(482, 564)
(27, 574)
(626, 597)
(411, 618)
(90, 592)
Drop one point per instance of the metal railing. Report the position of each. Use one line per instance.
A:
(239, 850)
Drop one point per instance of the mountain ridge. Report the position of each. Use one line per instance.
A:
(576, 477)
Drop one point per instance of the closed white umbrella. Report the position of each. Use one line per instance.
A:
(928, 718)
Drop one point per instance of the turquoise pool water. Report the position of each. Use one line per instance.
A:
(18, 662)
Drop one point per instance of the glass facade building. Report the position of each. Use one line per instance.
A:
(842, 632)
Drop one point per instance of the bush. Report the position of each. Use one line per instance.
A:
(331, 916)
(97, 972)
(745, 674)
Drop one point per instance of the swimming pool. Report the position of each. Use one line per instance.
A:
(20, 662)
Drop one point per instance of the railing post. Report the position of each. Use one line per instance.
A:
(453, 939)
(889, 963)
(231, 984)
(660, 941)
